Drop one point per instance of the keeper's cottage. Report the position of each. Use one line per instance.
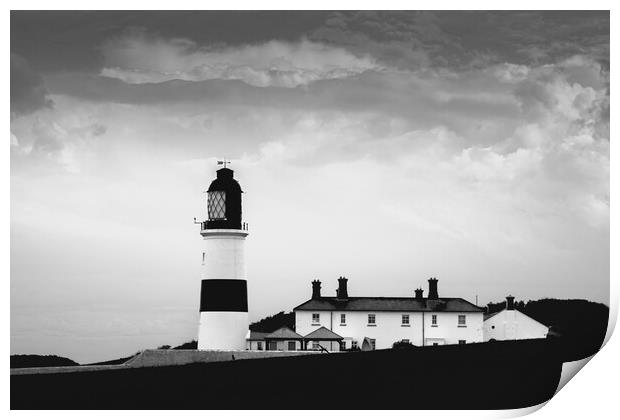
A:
(378, 322)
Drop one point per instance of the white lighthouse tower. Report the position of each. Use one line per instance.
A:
(223, 292)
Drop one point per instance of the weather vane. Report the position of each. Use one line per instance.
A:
(223, 162)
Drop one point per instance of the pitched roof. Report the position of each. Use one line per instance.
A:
(284, 333)
(323, 333)
(255, 335)
(396, 304)
(487, 316)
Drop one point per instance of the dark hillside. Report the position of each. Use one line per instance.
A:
(581, 324)
(35, 360)
(496, 375)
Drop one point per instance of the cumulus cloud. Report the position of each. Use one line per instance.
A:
(58, 141)
(138, 57)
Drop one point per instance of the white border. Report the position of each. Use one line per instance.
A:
(592, 394)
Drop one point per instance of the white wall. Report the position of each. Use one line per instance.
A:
(389, 329)
(331, 346)
(224, 254)
(447, 330)
(222, 330)
(253, 345)
(513, 325)
(283, 345)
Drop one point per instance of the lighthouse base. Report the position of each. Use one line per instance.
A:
(222, 330)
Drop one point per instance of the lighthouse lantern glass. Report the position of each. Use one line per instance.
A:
(216, 205)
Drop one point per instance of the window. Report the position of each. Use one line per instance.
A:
(316, 319)
(343, 319)
(259, 345)
(315, 345)
(434, 320)
(343, 346)
(462, 341)
(291, 345)
(216, 205)
(373, 344)
(353, 344)
(435, 344)
(371, 319)
(461, 320)
(405, 319)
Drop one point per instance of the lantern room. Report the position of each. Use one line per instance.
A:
(224, 202)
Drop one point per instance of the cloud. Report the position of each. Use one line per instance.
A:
(465, 40)
(506, 106)
(138, 57)
(62, 139)
(28, 92)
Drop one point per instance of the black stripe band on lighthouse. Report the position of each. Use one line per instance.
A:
(223, 292)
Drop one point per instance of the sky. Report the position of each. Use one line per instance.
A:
(386, 147)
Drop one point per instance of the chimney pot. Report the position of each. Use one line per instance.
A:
(510, 303)
(432, 288)
(341, 292)
(419, 294)
(316, 289)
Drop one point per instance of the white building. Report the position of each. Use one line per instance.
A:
(511, 324)
(379, 322)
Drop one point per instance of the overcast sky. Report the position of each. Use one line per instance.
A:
(384, 147)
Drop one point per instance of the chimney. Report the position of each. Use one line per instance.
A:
(510, 303)
(419, 294)
(316, 289)
(432, 288)
(341, 292)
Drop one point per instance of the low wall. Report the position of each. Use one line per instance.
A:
(153, 358)
(64, 369)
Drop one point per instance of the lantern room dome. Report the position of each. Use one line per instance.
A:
(225, 181)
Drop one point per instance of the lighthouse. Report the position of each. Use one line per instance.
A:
(223, 291)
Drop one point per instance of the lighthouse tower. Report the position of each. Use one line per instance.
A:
(223, 292)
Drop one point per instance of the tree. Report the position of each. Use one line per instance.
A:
(273, 322)
(190, 345)
(402, 345)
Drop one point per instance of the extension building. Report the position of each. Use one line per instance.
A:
(512, 324)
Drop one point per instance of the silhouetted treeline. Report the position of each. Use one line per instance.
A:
(272, 323)
(35, 360)
(190, 345)
(578, 324)
(493, 307)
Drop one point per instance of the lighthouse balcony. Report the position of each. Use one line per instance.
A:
(243, 227)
